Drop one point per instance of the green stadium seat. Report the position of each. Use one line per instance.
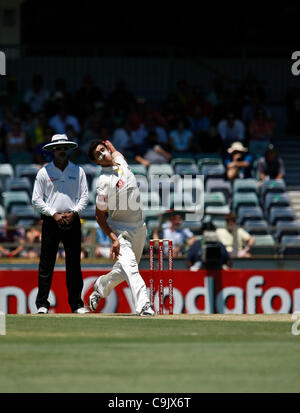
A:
(214, 199)
(20, 157)
(6, 171)
(277, 186)
(138, 169)
(247, 199)
(160, 169)
(264, 245)
(209, 161)
(245, 185)
(11, 198)
(188, 161)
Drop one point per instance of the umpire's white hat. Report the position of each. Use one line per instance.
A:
(59, 140)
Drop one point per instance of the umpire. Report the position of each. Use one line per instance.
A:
(60, 193)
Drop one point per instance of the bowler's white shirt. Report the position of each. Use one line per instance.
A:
(118, 192)
(60, 191)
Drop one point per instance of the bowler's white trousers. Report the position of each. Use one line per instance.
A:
(132, 240)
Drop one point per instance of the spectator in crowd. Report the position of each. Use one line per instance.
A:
(121, 137)
(184, 93)
(16, 139)
(197, 99)
(153, 123)
(181, 138)
(250, 91)
(231, 130)
(270, 166)
(261, 128)
(40, 155)
(199, 123)
(121, 98)
(181, 237)
(249, 110)
(151, 152)
(14, 95)
(36, 132)
(194, 255)
(91, 133)
(238, 162)
(37, 96)
(62, 118)
(217, 94)
(171, 111)
(87, 96)
(33, 237)
(235, 239)
(13, 236)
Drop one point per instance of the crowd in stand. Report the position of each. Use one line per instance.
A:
(185, 121)
(222, 120)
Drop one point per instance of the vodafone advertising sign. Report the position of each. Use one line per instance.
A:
(204, 291)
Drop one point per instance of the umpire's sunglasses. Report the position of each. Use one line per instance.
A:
(60, 148)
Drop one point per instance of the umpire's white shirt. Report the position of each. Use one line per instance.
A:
(60, 191)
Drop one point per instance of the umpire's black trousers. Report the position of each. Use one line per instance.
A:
(71, 239)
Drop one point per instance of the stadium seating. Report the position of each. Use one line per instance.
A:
(217, 210)
(179, 161)
(11, 198)
(275, 200)
(19, 184)
(290, 245)
(286, 228)
(18, 157)
(160, 169)
(25, 214)
(257, 148)
(249, 213)
(219, 185)
(214, 199)
(245, 185)
(138, 169)
(186, 169)
(6, 171)
(27, 170)
(280, 214)
(246, 199)
(264, 245)
(272, 186)
(212, 171)
(256, 227)
(210, 161)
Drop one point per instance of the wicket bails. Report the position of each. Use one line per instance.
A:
(160, 273)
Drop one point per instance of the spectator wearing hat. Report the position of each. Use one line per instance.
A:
(270, 166)
(60, 193)
(238, 162)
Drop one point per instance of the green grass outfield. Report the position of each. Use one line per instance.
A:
(119, 353)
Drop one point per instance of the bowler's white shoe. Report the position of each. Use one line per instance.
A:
(42, 310)
(94, 300)
(147, 311)
(81, 310)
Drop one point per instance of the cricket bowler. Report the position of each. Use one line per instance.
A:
(120, 216)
